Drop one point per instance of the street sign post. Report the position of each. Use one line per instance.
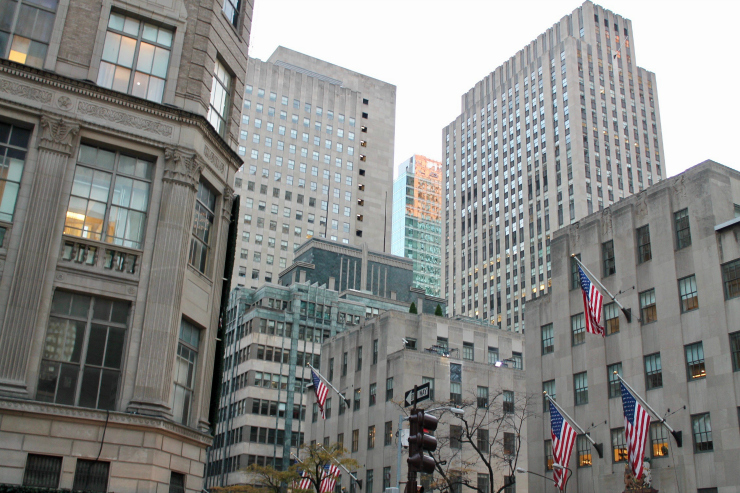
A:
(422, 394)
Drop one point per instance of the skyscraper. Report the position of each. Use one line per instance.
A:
(118, 142)
(417, 223)
(317, 140)
(568, 125)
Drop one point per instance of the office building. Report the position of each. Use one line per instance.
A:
(417, 222)
(317, 140)
(469, 365)
(119, 126)
(273, 332)
(670, 255)
(569, 125)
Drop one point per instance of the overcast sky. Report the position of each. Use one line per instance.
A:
(434, 51)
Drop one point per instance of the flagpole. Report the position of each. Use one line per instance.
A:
(341, 465)
(678, 435)
(598, 446)
(346, 401)
(627, 311)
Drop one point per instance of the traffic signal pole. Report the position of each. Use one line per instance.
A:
(419, 441)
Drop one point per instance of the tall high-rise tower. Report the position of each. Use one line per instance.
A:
(568, 125)
(417, 220)
(317, 141)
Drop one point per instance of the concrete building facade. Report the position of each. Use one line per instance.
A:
(317, 140)
(119, 125)
(417, 220)
(275, 331)
(671, 255)
(376, 363)
(570, 124)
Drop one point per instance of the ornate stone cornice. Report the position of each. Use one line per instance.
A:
(93, 415)
(183, 168)
(57, 134)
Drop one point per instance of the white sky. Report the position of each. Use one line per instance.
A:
(436, 50)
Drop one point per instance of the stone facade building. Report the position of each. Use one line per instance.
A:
(119, 125)
(468, 364)
(273, 332)
(671, 255)
(569, 125)
(417, 220)
(317, 140)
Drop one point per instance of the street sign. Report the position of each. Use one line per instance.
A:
(422, 394)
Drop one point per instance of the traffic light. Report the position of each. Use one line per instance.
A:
(419, 441)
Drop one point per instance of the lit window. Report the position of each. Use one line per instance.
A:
(695, 361)
(619, 445)
(659, 440)
(26, 39)
(731, 279)
(648, 309)
(135, 46)
(584, 451)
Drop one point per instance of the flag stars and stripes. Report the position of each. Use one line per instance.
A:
(563, 438)
(593, 303)
(321, 392)
(636, 426)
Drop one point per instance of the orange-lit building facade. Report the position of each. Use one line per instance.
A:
(417, 223)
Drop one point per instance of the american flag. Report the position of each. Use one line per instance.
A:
(636, 426)
(321, 392)
(329, 478)
(563, 438)
(305, 482)
(593, 301)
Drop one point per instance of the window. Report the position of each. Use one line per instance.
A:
(373, 392)
(735, 350)
(327, 408)
(659, 440)
(578, 329)
(575, 278)
(516, 359)
(611, 318)
(355, 440)
(607, 253)
(689, 296)
(388, 434)
(456, 436)
(695, 361)
(13, 146)
(358, 366)
(648, 309)
(388, 389)
(410, 343)
(549, 388)
(492, 355)
(653, 372)
(371, 437)
(508, 401)
(219, 104)
(357, 399)
(456, 392)
(468, 351)
(430, 381)
(619, 445)
(91, 475)
(98, 211)
(30, 33)
(42, 471)
(731, 279)
(133, 45)
(483, 482)
(177, 480)
(702, 432)
(185, 369)
(548, 455)
(84, 348)
(615, 389)
(482, 437)
(509, 443)
(375, 352)
(344, 364)
(643, 245)
(584, 451)
(548, 345)
(482, 397)
(580, 384)
(205, 204)
(683, 231)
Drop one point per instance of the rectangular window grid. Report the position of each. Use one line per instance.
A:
(42, 471)
(607, 253)
(731, 279)
(688, 292)
(25, 36)
(548, 344)
(584, 451)
(643, 245)
(578, 329)
(735, 350)
(653, 372)
(695, 368)
(615, 390)
(611, 318)
(702, 433)
(619, 445)
(659, 440)
(580, 384)
(648, 309)
(683, 232)
(13, 148)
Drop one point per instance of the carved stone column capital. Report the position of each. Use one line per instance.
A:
(57, 134)
(182, 168)
(228, 200)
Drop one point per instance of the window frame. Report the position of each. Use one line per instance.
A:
(688, 293)
(548, 339)
(682, 228)
(7, 150)
(611, 324)
(609, 261)
(580, 391)
(644, 251)
(33, 468)
(578, 334)
(14, 27)
(614, 388)
(583, 451)
(203, 216)
(702, 420)
(222, 82)
(731, 287)
(659, 439)
(735, 350)
(618, 445)
(648, 307)
(651, 375)
(186, 344)
(696, 367)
